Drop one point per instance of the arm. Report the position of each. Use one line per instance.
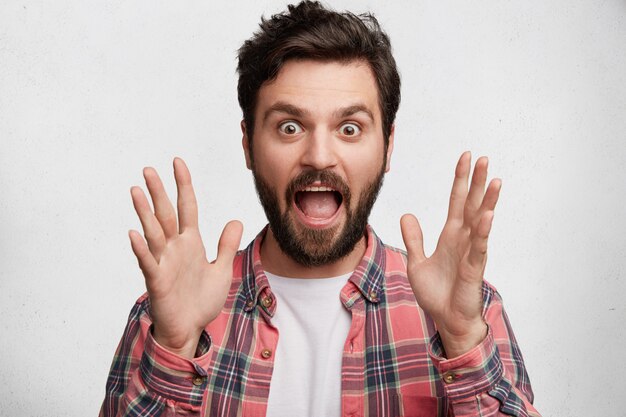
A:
(474, 349)
(162, 362)
(490, 379)
(148, 380)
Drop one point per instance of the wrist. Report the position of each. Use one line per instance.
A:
(457, 344)
(184, 348)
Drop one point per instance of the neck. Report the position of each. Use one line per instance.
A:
(277, 262)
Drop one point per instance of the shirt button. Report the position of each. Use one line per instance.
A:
(198, 380)
(267, 302)
(374, 295)
(266, 353)
(449, 377)
(249, 303)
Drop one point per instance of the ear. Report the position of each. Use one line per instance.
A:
(245, 143)
(390, 148)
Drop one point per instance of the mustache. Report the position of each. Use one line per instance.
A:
(326, 177)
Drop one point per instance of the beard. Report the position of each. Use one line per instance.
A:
(315, 247)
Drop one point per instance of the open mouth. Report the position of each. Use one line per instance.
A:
(318, 202)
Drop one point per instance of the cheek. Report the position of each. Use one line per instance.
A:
(276, 178)
(365, 166)
(268, 163)
(360, 180)
(278, 166)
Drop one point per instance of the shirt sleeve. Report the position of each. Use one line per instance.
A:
(147, 380)
(491, 379)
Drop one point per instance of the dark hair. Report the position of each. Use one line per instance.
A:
(310, 31)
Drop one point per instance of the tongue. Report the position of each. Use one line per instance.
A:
(320, 204)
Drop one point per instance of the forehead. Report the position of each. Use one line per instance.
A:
(321, 87)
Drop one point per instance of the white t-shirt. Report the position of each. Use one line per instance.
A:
(313, 326)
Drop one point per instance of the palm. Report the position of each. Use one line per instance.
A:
(186, 291)
(184, 283)
(447, 285)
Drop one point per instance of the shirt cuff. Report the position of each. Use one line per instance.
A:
(173, 377)
(476, 371)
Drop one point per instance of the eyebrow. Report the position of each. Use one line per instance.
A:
(290, 109)
(283, 107)
(355, 108)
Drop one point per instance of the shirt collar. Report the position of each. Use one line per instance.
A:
(368, 276)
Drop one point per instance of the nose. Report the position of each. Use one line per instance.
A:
(319, 150)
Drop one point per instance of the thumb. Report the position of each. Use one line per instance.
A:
(229, 243)
(412, 236)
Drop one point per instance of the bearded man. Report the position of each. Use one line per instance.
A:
(317, 317)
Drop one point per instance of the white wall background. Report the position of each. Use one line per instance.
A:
(90, 92)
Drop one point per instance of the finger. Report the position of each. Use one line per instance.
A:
(229, 243)
(477, 256)
(412, 236)
(459, 187)
(491, 196)
(151, 228)
(187, 204)
(163, 209)
(477, 190)
(147, 263)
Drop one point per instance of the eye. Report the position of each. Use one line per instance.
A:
(290, 128)
(349, 129)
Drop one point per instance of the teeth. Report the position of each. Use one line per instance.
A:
(318, 189)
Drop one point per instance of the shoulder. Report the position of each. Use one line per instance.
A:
(239, 262)
(397, 283)
(395, 259)
(141, 310)
(491, 297)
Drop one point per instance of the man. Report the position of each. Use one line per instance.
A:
(317, 316)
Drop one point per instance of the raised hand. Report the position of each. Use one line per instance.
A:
(186, 291)
(448, 284)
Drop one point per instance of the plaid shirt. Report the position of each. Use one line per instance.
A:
(393, 359)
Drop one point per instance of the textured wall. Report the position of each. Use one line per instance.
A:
(90, 92)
